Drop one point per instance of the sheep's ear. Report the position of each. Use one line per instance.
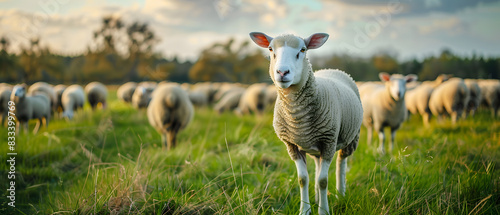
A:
(384, 76)
(316, 40)
(411, 77)
(261, 39)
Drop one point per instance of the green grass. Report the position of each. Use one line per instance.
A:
(111, 162)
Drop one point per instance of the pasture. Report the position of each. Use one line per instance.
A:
(111, 162)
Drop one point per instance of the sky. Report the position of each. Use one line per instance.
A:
(407, 28)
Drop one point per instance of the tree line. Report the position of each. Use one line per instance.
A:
(121, 52)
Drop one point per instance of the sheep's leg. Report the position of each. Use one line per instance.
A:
(37, 126)
(369, 133)
(393, 137)
(341, 172)
(454, 117)
(381, 137)
(305, 207)
(322, 181)
(316, 186)
(426, 117)
(163, 141)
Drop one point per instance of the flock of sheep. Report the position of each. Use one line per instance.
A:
(315, 113)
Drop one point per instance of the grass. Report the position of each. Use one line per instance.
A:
(110, 162)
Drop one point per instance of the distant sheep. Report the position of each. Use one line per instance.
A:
(142, 97)
(125, 92)
(97, 93)
(229, 101)
(490, 95)
(253, 100)
(30, 107)
(47, 90)
(198, 99)
(316, 113)
(384, 106)
(474, 97)
(449, 98)
(417, 99)
(169, 111)
(73, 99)
(5, 92)
(59, 89)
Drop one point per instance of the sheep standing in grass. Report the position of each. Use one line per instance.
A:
(45, 89)
(126, 91)
(5, 92)
(97, 93)
(253, 100)
(169, 111)
(449, 98)
(384, 106)
(490, 94)
(229, 101)
(316, 113)
(30, 107)
(474, 97)
(417, 99)
(59, 89)
(142, 96)
(72, 100)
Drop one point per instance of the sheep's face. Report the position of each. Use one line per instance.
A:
(288, 56)
(19, 91)
(396, 84)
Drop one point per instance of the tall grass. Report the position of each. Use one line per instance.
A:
(111, 162)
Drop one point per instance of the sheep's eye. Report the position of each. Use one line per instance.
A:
(270, 49)
(303, 50)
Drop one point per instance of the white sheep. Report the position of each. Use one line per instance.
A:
(253, 100)
(169, 111)
(384, 106)
(490, 94)
(417, 99)
(97, 93)
(474, 97)
(45, 89)
(125, 92)
(5, 92)
(226, 88)
(72, 99)
(30, 107)
(198, 99)
(449, 98)
(230, 100)
(316, 113)
(142, 96)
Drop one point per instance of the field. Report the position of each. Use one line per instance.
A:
(111, 162)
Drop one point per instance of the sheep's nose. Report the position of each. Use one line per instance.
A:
(283, 73)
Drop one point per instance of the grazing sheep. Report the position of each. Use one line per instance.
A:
(384, 106)
(490, 94)
(142, 97)
(253, 100)
(30, 107)
(474, 97)
(209, 89)
(5, 92)
(417, 99)
(169, 111)
(198, 99)
(96, 93)
(126, 91)
(316, 113)
(47, 90)
(59, 89)
(72, 100)
(226, 88)
(230, 100)
(449, 98)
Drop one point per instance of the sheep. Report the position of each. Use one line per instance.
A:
(72, 99)
(198, 99)
(316, 113)
(449, 98)
(47, 90)
(490, 94)
(125, 92)
(209, 89)
(384, 106)
(417, 99)
(5, 91)
(230, 100)
(169, 111)
(96, 93)
(226, 88)
(142, 97)
(59, 89)
(474, 97)
(30, 107)
(253, 100)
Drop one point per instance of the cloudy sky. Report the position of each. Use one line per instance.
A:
(411, 28)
